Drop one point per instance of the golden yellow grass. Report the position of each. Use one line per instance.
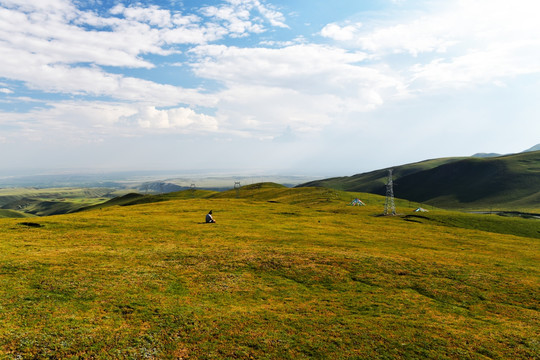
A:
(288, 279)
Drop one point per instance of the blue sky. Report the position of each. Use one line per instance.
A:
(291, 87)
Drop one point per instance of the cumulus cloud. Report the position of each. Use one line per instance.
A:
(297, 66)
(236, 15)
(341, 33)
(302, 86)
(93, 121)
(151, 15)
(174, 119)
(47, 39)
(52, 38)
(460, 43)
(57, 47)
(498, 40)
(68, 121)
(96, 82)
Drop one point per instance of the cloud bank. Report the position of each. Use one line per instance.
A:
(238, 69)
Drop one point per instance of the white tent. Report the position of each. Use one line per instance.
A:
(420, 210)
(357, 202)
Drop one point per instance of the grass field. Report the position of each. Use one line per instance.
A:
(284, 274)
(51, 201)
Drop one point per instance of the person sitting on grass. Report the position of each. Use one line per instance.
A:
(210, 218)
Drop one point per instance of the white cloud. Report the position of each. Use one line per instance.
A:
(52, 6)
(237, 21)
(302, 86)
(296, 66)
(54, 47)
(152, 14)
(478, 67)
(194, 34)
(87, 121)
(455, 44)
(424, 35)
(420, 35)
(43, 43)
(237, 16)
(52, 40)
(174, 119)
(275, 17)
(96, 82)
(499, 40)
(341, 33)
(291, 90)
(69, 121)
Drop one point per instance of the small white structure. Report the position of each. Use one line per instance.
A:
(357, 202)
(420, 210)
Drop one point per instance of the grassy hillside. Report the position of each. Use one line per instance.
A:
(45, 202)
(284, 274)
(375, 181)
(12, 214)
(505, 182)
(510, 181)
(137, 199)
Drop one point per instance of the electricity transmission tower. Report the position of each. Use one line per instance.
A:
(389, 206)
(237, 187)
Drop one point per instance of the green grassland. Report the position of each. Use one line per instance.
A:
(51, 201)
(12, 214)
(283, 274)
(508, 182)
(375, 181)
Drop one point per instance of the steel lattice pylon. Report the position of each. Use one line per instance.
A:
(389, 206)
(237, 188)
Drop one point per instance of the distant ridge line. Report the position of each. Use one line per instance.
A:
(484, 155)
(507, 182)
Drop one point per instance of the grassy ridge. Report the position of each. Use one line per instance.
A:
(12, 214)
(375, 181)
(296, 275)
(45, 202)
(509, 182)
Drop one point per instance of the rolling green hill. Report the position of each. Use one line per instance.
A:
(13, 214)
(374, 181)
(52, 201)
(505, 182)
(137, 199)
(283, 274)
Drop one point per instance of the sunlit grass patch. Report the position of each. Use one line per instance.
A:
(286, 277)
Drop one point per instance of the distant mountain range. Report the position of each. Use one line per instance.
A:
(496, 182)
(484, 155)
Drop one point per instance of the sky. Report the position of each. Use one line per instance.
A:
(264, 86)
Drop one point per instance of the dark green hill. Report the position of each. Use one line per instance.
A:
(505, 182)
(374, 181)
